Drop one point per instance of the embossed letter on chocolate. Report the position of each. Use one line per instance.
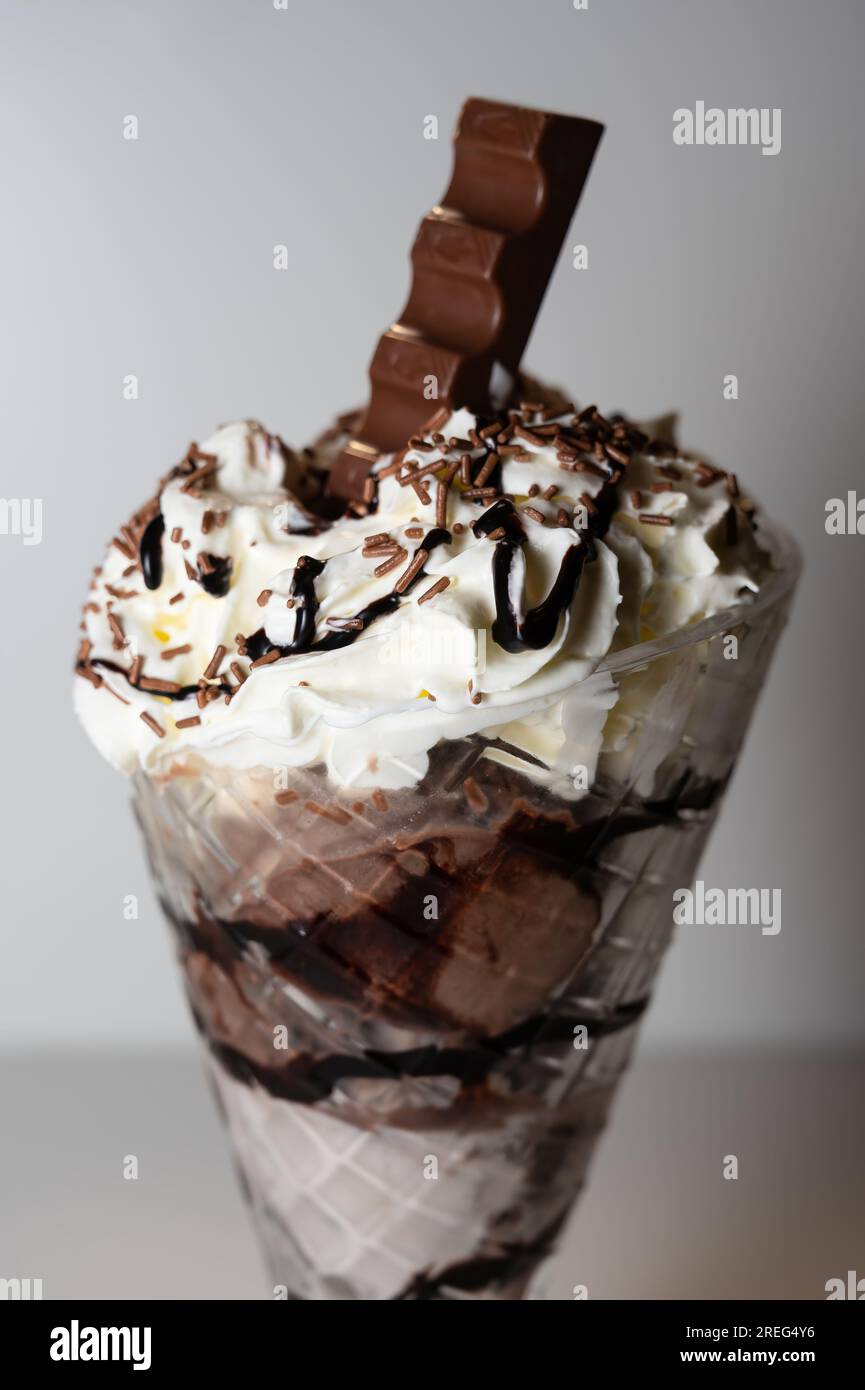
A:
(481, 264)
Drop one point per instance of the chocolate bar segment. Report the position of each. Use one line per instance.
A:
(481, 264)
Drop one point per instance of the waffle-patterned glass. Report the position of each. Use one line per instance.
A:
(417, 1004)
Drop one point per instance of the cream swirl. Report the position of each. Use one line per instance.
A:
(496, 573)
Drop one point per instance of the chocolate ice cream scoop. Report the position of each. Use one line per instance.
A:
(439, 913)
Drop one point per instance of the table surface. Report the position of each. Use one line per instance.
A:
(658, 1219)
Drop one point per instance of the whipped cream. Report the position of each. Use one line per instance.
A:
(229, 622)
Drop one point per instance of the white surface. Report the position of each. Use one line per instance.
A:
(304, 127)
(657, 1220)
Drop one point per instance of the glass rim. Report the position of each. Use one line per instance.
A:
(785, 568)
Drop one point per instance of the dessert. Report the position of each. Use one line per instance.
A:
(422, 742)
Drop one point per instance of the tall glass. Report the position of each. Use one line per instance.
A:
(417, 1005)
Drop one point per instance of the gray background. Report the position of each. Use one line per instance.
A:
(304, 127)
(155, 257)
(658, 1221)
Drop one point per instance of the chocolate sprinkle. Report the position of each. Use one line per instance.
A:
(158, 687)
(437, 588)
(533, 513)
(212, 668)
(117, 631)
(474, 796)
(420, 558)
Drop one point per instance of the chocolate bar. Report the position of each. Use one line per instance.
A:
(481, 263)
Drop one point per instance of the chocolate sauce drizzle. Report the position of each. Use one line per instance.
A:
(480, 1271)
(182, 693)
(536, 628)
(306, 572)
(150, 551)
(306, 1079)
(217, 580)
